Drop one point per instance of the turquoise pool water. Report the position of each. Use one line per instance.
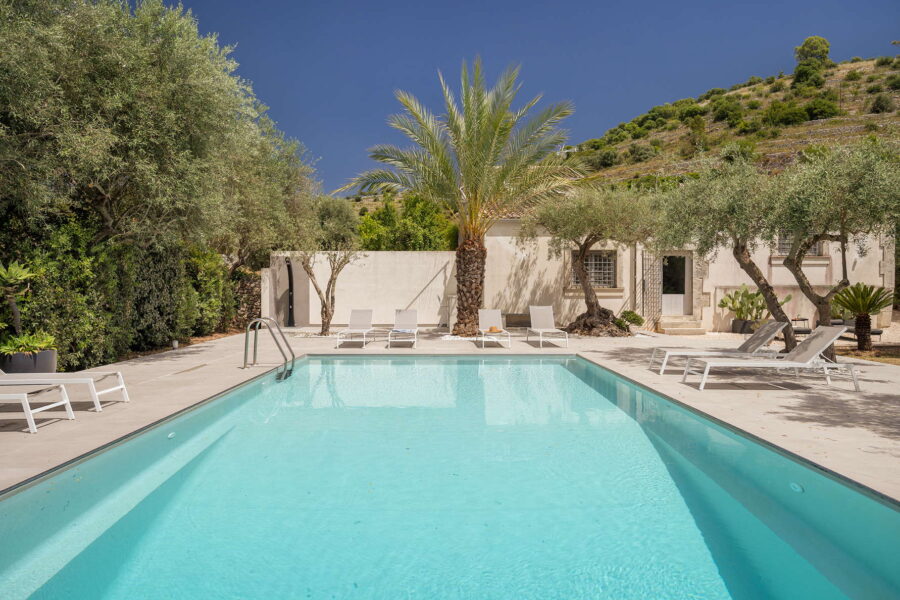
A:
(445, 477)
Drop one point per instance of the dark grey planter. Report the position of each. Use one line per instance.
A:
(20, 362)
(742, 326)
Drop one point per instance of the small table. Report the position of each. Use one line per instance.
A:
(801, 326)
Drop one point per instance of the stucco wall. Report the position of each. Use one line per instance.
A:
(382, 281)
(519, 274)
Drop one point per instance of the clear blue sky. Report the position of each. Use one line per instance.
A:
(328, 69)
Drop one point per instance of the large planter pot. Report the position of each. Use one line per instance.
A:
(742, 326)
(20, 362)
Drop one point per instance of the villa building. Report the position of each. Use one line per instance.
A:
(677, 292)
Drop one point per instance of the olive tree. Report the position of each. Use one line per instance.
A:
(730, 205)
(579, 221)
(327, 230)
(843, 195)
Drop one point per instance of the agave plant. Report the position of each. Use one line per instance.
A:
(482, 159)
(13, 284)
(863, 301)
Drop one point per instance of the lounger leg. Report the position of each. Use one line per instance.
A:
(705, 375)
(854, 376)
(827, 375)
(541, 339)
(687, 370)
(93, 390)
(567, 340)
(125, 397)
(29, 416)
(65, 395)
(652, 358)
(662, 366)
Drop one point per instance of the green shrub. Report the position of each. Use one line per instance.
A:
(743, 150)
(603, 159)
(214, 300)
(710, 93)
(884, 61)
(629, 316)
(893, 82)
(872, 77)
(809, 73)
(82, 298)
(820, 108)
(778, 86)
(856, 59)
(621, 324)
(882, 103)
(165, 302)
(726, 108)
(874, 89)
(784, 113)
(656, 143)
(748, 127)
(641, 152)
(691, 110)
(853, 75)
(770, 79)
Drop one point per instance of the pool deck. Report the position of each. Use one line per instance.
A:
(854, 434)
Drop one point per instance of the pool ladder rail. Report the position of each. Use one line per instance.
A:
(286, 351)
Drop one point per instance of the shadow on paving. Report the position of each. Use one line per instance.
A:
(878, 413)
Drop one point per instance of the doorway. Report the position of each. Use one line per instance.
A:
(676, 285)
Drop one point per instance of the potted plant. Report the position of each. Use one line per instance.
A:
(20, 352)
(863, 301)
(29, 353)
(749, 308)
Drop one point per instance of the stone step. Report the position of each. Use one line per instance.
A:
(687, 321)
(683, 330)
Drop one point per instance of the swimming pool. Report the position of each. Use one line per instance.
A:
(445, 477)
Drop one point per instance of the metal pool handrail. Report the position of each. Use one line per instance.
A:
(256, 324)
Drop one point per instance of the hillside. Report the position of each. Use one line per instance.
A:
(773, 115)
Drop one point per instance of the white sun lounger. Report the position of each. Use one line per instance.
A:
(360, 324)
(487, 318)
(406, 327)
(544, 325)
(22, 398)
(806, 355)
(755, 345)
(81, 378)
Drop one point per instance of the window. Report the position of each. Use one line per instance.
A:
(601, 268)
(783, 247)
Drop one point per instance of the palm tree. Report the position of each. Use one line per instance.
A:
(483, 160)
(863, 301)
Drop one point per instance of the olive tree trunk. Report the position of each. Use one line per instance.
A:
(745, 260)
(794, 263)
(470, 259)
(595, 320)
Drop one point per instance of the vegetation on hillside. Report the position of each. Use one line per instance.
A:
(776, 116)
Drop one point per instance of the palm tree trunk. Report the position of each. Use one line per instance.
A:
(16, 317)
(864, 332)
(470, 259)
